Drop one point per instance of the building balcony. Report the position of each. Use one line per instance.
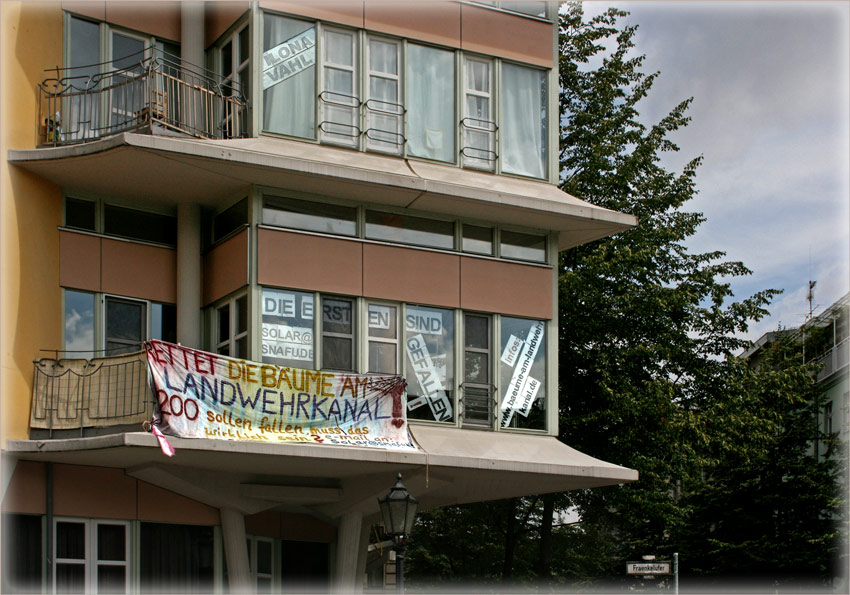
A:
(148, 94)
(834, 360)
(80, 397)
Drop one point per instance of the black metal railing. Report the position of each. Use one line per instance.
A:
(86, 103)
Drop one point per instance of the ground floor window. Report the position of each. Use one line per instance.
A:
(176, 558)
(90, 556)
(22, 554)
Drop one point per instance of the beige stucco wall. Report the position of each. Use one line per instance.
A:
(30, 211)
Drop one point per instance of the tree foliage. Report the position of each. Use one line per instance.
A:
(649, 378)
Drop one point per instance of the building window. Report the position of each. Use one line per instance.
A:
(23, 555)
(431, 122)
(260, 560)
(231, 323)
(477, 384)
(176, 558)
(383, 338)
(522, 373)
(310, 216)
(429, 369)
(523, 130)
(120, 221)
(79, 341)
(522, 246)
(95, 324)
(287, 329)
(406, 229)
(126, 325)
(236, 74)
(139, 225)
(289, 76)
(477, 239)
(80, 214)
(90, 556)
(229, 220)
(340, 99)
(478, 124)
(338, 343)
(384, 110)
(827, 418)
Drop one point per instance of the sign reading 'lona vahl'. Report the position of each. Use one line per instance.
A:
(287, 59)
(204, 395)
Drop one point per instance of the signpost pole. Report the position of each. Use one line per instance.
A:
(676, 573)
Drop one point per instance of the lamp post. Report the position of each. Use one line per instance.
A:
(398, 508)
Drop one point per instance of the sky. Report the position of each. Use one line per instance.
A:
(771, 118)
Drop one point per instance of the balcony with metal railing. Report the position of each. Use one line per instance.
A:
(81, 397)
(148, 93)
(834, 360)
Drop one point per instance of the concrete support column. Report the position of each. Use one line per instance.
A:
(235, 550)
(362, 554)
(348, 553)
(189, 275)
(192, 34)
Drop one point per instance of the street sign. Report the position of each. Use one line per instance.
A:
(659, 567)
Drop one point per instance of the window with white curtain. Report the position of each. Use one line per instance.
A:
(430, 103)
(289, 76)
(523, 129)
(384, 112)
(478, 124)
(339, 97)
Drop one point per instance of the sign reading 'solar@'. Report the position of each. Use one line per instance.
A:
(204, 395)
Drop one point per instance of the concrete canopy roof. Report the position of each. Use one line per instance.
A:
(453, 466)
(168, 170)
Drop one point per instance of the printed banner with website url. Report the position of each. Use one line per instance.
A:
(204, 395)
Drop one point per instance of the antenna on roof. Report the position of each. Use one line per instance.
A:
(810, 297)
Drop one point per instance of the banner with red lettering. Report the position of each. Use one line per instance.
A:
(204, 395)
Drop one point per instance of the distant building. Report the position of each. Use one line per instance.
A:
(354, 187)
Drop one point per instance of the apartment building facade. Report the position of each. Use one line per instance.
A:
(332, 185)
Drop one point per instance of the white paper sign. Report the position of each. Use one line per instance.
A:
(429, 380)
(287, 342)
(512, 350)
(380, 317)
(285, 305)
(423, 321)
(516, 396)
(287, 59)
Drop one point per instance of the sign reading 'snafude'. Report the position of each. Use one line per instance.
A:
(205, 395)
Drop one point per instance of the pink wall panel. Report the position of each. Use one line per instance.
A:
(139, 270)
(162, 506)
(405, 274)
(79, 261)
(300, 527)
(434, 22)
(97, 492)
(507, 288)
(26, 493)
(95, 10)
(521, 38)
(226, 267)
(301, 261)
(346, 12)
(156, 18)
(219, 16)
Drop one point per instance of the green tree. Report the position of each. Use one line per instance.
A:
(648, 377)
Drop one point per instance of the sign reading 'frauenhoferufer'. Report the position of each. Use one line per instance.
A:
(204, 395)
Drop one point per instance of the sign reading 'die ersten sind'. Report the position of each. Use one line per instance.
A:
(204, 395)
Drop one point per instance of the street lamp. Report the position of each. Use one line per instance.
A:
(398, 508)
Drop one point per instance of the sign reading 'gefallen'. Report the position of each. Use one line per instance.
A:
(659, 567)
(206, 395)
